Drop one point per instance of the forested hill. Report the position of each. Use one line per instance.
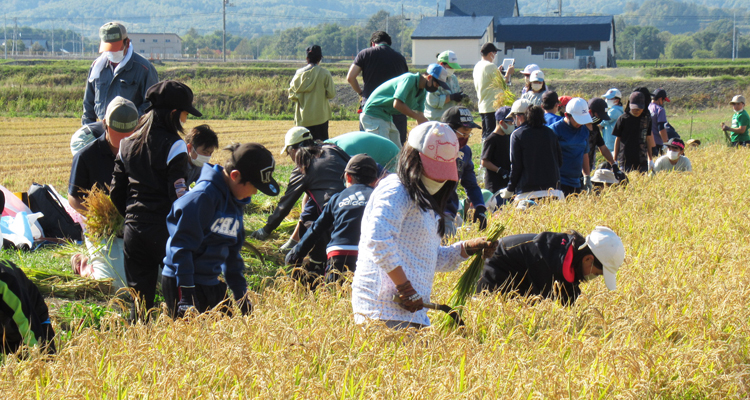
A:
(612, 7)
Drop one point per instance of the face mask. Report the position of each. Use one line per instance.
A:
(508, 128)
(199, 159)
(449, 71)
(590, 277)
(536, 86)
(673, 155)
(115, 56)
(430, 88)
(611, 103)
(431, 185)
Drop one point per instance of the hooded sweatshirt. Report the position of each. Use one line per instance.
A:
(310, 90)
(206, 233)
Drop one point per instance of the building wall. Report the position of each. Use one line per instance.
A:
(425, 51)
(157, 45)
(524, 57)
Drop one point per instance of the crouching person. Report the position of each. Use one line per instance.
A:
(24, 317)
(206, 232)
(553, 265)
(343, 213)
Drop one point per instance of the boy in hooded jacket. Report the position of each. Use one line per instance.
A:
(206, 232)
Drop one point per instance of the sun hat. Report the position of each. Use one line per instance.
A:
(256, 164)
(604, 176)
(449, 58)
(579, 110)
(121, 116)
(459, 116)
(612, 93)
(530, 68)
(111, 33)
(438, 148)
(537, 76)
(607, 247)
(440, 74)
(738, 99)
(171, 95)
(295, 135)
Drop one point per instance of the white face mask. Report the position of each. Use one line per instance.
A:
(449, 71)
(611, 103)
(199, 159)
(431, 185)
(673, 155)
(536, 86)
(590, 277)
(507, 128)
(115, 57)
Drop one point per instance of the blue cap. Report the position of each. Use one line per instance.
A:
(440, 74)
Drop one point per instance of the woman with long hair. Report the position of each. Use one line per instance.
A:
(150, 173)
(400, 245)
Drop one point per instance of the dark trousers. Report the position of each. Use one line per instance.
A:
(488, 124)
(338, 265)
(568, 190)
(400, 122)
(206, 296)
(319, 132)
(316, 263)
(144, 248)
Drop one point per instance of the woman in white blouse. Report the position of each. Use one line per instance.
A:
(400, 245)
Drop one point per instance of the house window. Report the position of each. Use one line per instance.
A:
(567, 53)
(155, 40)
(168, 40)
(143, 40)
(551, 55)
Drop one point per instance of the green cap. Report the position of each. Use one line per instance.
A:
(122, 116)
(111, 32)
(449, 58)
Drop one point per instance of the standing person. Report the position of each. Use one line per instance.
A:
(310, 90)
(400, 246)
(401, 95)
(632, 132)
(527, 75)
(535, 88)
(658, 120)
(461, 121)
(206, 232)
(573, 136)
(740, 121)
(119, 71)
(496, 150)
(484, 75)
(318, 171)
(377, 64)
(150, 172)
(343, 215)
(553, 265)
(201, 144)
(535, 157)
(551, 106)
(613, 97)
(675, 159)
(437, 102)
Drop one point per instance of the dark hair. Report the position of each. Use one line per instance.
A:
(409, 172)
(535, 117)
(362, 179)
(162, 117)
(542, 90)
(550, 100)
(578, 241)
(307, 151)
(202, 136)
(314, 54)
(380, 37)
(229, 163)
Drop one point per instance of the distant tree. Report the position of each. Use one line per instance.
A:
(681, 46)
(722, 47)
(700, 53)
(648, 44)
(244, 48)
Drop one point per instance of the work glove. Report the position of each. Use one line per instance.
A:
(587, 184)
(504, 173)
(260, 234)
(480, 215)
(244, 304)
(618, 174)
(288, 245)
(476, 245)
(187, 302)
(457, 97)
(410, 300)
(293, 258)
(505, 193)
(650, 165)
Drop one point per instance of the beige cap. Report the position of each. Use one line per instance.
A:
(738, 99)
(520, 106)
(121, 116)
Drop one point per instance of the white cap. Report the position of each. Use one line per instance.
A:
(612, 93)
(604, 176)
(520, 106)
(530, 68)
(295, 135)
(607, 247)
(537, 76)
(579, 109)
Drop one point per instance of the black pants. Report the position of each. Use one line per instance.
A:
(144, 249)
(488, 124)
(338, 265)
(568, 190)
(319, 132)
(400, 122)
(316, 265)
(206, 297)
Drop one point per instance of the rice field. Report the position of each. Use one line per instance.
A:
(678, 326)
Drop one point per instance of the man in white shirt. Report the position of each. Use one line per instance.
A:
(484, 74)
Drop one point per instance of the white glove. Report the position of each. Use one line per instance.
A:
(650, 165)
(506, 194)
(288, 245)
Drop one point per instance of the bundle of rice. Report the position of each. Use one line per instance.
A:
(69, 286)
(505, 96)
(103, 221)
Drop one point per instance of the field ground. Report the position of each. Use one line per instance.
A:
(676, 328)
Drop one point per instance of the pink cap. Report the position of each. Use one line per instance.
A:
(438, 148)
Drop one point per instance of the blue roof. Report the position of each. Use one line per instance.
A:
(451, 27)
(496, 8)
(554, 29)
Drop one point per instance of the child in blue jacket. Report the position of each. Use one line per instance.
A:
(206, 231)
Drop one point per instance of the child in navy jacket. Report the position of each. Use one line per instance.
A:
(344, 213)
(206, 231)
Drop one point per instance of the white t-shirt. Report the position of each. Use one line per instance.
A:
(484, 73)
(663, 164)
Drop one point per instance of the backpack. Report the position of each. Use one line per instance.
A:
(56, 223)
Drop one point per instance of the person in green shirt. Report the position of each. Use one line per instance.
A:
(382, 150)
(404, 94)
(309, 91)
(740, 122)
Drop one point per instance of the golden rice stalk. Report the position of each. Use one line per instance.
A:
(505, 96)
(69, 286)
(103, 221)
(466, 285)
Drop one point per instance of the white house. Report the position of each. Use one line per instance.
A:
(157, 45)
(463, 35)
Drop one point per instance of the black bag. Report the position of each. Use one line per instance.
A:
(56, 222)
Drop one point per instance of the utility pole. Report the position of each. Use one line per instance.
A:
(53, 40)
(224, 4)
(82, 45)
(5, 39)
(559, 8)
(734, 37)
(633, 49)
(15, 35)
